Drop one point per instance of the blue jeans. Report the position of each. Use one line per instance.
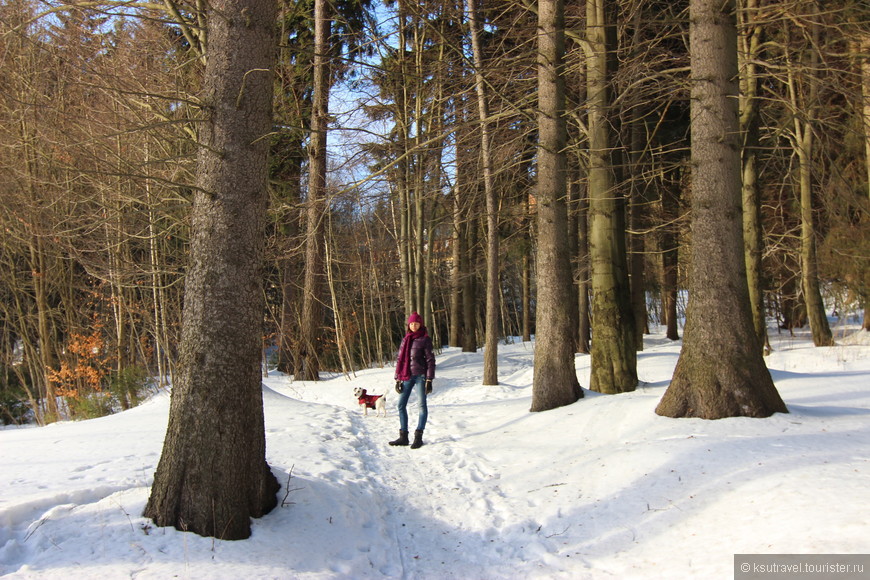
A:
(418, 383)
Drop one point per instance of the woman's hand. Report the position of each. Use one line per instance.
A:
(399, 387)
(428, 386)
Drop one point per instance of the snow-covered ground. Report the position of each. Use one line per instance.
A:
(603, 488)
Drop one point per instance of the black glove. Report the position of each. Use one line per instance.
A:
(428, 386)
(399, 387)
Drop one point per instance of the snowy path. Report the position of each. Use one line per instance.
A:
(424, 490)
(421, 508)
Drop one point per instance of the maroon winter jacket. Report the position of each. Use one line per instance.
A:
(422, 358)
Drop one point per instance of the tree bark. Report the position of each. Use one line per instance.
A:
(750, 41)
(721, 370)
(638, 221)
(575, 195)
(803, 142)
(311, 327)
(819, 327)
(614, 357)
(213, 476)
(454, 335)
(469, 289)
(490, 352)
(555, 381)
(584, 321)
(865, 97)
(670, 247)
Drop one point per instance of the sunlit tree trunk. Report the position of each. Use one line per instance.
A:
(555, 381)
(614, 357)
(584, 316)
(865, 94)
(313, 296)
(212, 476)
(637, 222)
(749, 50)
(721, 370)
(803, 143)
(490, 353)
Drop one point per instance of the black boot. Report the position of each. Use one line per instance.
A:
(402, 440)
(418, 439)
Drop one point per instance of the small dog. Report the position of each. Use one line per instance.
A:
(366, 401)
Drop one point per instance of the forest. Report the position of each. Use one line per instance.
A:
(420, 160)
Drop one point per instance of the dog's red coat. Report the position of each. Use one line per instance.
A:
(368, 400)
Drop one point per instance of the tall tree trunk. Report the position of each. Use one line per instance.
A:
(637, 222)
(812, 292)
(555, 381)
(421, 165)
(311, 327)
(575, 197)
(403, 169)
(721, 371)
(158, 292)
(669, 247)
(750, 41)
(45, 329)
(803, 141)
(583, 271)
(527, 296)
(289, 270)
(865, 94)
(638, 197)
(213, 476)
(584, 316)
(457, 242)
(526, 265)
(614, 357)
(490, 352)
(469, 289)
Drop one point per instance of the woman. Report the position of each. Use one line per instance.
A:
(415, 367)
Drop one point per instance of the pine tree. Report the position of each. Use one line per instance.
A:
(555, 381)
(213, 476)
(721, 370)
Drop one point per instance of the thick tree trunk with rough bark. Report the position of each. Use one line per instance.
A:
(213, 476)
(721, 370)
(555, 381)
